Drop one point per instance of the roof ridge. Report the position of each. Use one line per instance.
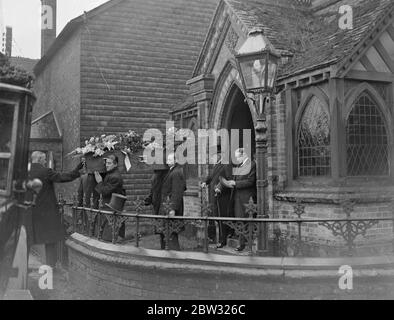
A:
(371, 22)
(227, 2)
(324, 5)
(274, 3)
(278, 3)
(220, 6)
(69, 29)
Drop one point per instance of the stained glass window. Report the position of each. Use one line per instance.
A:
(314, 140)
(366, 139)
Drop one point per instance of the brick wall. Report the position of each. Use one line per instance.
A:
(99, 279)
(192, 203)
(276, 153)
(378, 238)
(136, 58)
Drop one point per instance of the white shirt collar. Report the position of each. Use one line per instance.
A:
(244, 162)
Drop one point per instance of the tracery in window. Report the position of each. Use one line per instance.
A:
(314, 140)
(366, 139)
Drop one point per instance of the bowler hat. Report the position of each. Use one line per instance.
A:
(117, 202)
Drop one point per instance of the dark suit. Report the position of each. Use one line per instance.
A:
(155, 198)
(87, 190)
(87, 193)
(221, 202)
(46, 219)
(173, 188)
(112, 183)
(245, 188)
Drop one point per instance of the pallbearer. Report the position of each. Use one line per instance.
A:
(219, 196)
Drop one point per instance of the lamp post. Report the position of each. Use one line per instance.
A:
(257, 63)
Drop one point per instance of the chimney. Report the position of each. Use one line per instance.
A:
(48, 24)
(8, 41)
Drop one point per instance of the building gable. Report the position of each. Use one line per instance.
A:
(68, 31)
(376, 52)
(311, 38)
(234, 19)
(221, 31)
(337, 48)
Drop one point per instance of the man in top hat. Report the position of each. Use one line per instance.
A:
(112, 183)
(173, 188)
(244, 184)
(218, 195)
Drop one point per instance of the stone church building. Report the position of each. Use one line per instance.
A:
(331, 125)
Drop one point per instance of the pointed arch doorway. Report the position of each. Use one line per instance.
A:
(237, 115)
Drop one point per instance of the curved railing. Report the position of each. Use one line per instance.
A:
(265, 236)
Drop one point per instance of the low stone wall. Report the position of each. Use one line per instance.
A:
(107, 271)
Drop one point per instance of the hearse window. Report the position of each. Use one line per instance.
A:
(6, 133)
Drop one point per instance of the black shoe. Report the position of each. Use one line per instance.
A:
(240, 248)
(220, 245)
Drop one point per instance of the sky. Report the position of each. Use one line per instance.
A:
(24, 16)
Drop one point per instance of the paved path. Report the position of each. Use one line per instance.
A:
(62, 288)
(364, 289)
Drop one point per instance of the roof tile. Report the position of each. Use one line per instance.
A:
(313, 36)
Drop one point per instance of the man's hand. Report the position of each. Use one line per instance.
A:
(231, 183)
(172, 213)
(203, 185)
(79, 166)
(98, 177)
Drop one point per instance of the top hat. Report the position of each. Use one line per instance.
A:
(117, 202)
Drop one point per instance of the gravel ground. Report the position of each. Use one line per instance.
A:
(62, 289)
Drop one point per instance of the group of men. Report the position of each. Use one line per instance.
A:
(47, 227)
(230, 187)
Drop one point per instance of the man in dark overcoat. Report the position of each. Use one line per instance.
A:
(112, 183)
(155, 198)
(220, 197)
(173, 188)
(46, 219)
(244, 184)
(87, 196)
(87, 191)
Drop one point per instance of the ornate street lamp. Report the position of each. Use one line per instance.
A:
(257, 62)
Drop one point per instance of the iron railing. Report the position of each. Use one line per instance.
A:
(255, 229)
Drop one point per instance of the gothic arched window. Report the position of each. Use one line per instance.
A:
(366, 139)
(314, 140)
